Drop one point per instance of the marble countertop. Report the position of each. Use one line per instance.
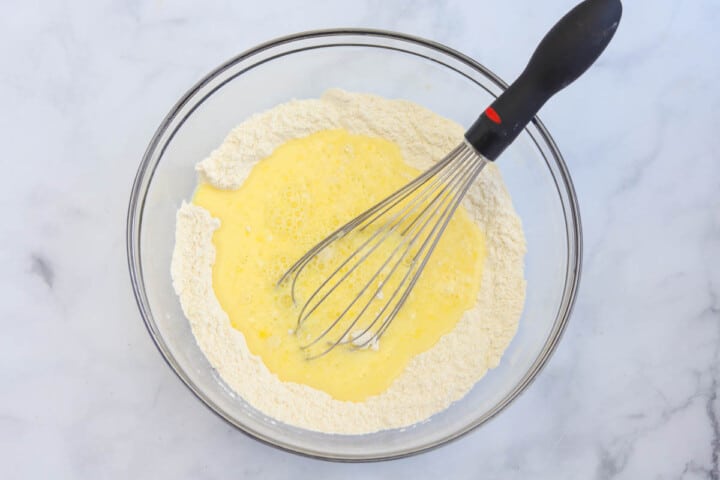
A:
(633, 389)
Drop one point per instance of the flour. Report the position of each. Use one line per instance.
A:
(433, 379)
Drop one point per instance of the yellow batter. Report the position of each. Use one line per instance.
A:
(307, 188)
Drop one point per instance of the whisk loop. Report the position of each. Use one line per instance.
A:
(408, 224)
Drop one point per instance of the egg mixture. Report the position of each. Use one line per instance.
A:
(292, 199)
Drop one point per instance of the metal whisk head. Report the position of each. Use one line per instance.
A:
(396, 237)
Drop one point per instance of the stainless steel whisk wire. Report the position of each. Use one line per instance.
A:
(439, 191)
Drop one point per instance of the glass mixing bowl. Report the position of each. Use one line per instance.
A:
(394, 66)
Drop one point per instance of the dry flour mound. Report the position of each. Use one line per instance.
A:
(433, 379)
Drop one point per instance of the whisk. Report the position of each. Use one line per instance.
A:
(409, 223)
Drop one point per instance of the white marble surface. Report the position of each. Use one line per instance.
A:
(633, 389)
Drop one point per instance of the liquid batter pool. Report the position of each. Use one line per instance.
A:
(292, 199)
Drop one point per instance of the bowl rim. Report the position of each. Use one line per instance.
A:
(137, 201)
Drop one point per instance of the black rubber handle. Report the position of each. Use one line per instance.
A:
(573, 44)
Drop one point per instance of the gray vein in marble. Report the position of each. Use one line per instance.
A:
(41, 267)
(715, 426)
(635, 173)
(611, 466)
(695, 469)
(713, 405)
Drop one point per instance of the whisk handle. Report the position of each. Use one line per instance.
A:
(566, 52)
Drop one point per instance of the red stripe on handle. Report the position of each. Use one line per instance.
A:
(493, 115)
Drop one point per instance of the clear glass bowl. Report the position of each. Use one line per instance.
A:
(394, 66)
